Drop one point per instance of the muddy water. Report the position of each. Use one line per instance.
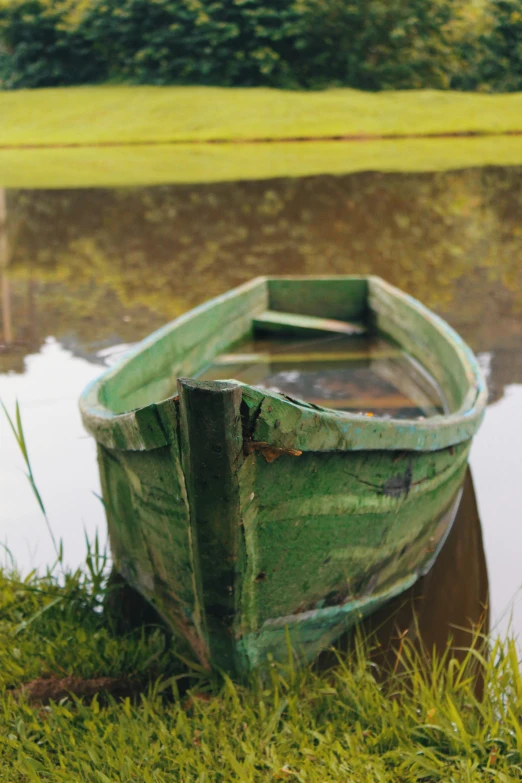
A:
(363, 374)
(87, 273)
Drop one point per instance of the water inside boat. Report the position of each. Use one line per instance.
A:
(361, 374)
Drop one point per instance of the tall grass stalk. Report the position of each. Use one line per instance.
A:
(87, 584)
(18, 431)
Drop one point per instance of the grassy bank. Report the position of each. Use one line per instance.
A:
(78, 167)
(423, 722)
(127, 115)
(110, 136)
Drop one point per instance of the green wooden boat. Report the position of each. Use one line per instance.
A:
(283, 460)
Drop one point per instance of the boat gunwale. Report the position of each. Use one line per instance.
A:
(319, 428)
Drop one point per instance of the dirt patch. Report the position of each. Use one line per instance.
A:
(45, 690)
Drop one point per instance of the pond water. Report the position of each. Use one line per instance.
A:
(87, 273)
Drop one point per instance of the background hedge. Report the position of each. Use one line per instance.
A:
(367, 44)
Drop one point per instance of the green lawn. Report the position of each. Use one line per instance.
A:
(48, 137)
(93, 115)
(198, 163)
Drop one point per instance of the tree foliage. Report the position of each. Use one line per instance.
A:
(40, 48)
(501, 61)
(366, 44)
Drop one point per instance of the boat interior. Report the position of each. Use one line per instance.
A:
(352, 344)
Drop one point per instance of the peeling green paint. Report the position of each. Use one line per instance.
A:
(247, 517)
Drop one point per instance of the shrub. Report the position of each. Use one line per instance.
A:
(500, 67)
(371, 45)
(376, 45)
(40, 48)
(365, 44)
(227, 42)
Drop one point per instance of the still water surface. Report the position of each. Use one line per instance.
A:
(87, 273)
(365, 373)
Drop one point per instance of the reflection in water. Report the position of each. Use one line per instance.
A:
(110, 265)
(99, 268)
(496, 460)
(7, 328)
(63, 459)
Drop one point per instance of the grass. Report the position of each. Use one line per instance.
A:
(78, 167)
(423, 718)
(38, 125)
(126, 115)
(422, 722)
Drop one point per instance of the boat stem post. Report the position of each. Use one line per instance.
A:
(211, 455)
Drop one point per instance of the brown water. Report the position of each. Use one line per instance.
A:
(87, 273)
(367, 374)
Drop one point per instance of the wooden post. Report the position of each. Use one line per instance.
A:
(212, 453)
(6, 294)
(31, 311)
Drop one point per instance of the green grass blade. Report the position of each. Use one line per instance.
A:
(18, 432)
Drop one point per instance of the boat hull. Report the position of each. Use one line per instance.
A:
(255, 522)
(243, 551)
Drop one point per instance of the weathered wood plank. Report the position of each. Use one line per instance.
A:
(139, 430)
(292, 323)
(329, 535)
(344, 516)
(212, 453)
(148, 520)
(292, 424)
(431, 341)
(184, 346)
(110, 407)
(342, 298)
(287, 357)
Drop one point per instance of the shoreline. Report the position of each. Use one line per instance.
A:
(149, 165)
